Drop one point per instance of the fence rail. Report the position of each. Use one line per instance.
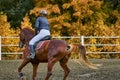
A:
(82, 40)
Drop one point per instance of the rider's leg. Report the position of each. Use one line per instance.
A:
(32, 46)
(35, 39)
(32, 50)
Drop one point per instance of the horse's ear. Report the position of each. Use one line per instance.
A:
(20, 28)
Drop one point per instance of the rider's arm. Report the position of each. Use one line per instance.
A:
(37, 24)
(37, 30)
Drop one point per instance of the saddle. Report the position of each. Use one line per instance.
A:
(48, 37)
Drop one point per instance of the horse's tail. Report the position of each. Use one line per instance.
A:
(82, 50)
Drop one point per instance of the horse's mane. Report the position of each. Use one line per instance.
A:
(28, 31)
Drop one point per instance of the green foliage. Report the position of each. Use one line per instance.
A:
(32, 19)
(15, 10)
(64, 31)
(111, 20)
(85, 20)
(108, 7)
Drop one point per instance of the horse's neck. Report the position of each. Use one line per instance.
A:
(27, 43)
(28, 38)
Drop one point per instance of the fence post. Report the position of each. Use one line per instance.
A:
(82, 40)
(0, 47)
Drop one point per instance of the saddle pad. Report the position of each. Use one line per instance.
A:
(40, 44)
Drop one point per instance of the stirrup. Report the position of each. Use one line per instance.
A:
(32, 56)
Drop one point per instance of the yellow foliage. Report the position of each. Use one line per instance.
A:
(55, 9)
(66, 5)
(77, 14)
(26, 22)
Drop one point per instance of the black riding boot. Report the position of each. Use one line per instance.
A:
(32, 50)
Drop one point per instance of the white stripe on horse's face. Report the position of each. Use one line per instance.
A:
(22, 40)
(21, 44)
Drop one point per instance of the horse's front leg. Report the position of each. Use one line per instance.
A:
(35, 67)
(24, 63)
(50, 66)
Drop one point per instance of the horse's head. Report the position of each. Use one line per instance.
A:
(22, 40)
(25, 35)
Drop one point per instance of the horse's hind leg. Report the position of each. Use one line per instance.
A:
(63, 64)
(21, 67)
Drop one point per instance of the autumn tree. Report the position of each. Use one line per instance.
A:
(15, 10)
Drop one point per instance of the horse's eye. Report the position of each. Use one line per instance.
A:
(21, 37)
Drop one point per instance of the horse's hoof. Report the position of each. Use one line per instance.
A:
(21, 75)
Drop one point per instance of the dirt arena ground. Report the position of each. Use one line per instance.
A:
(109, 71)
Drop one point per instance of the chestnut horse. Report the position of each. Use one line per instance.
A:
(49, 51)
